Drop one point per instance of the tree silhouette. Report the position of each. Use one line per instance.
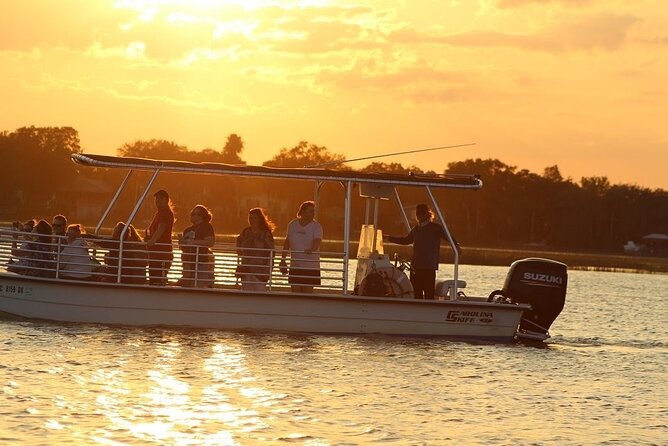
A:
(514, 208)
(168, 150)
(155, 148)
(390, 168)
(36, 165)
(552, 173)
(307, 155)
(232, 150)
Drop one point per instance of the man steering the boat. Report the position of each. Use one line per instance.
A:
(303, 240)
(426, 238)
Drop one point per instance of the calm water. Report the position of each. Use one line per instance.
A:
(601, 380)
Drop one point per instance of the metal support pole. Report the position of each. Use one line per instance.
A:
(316, 198)
(402, 210)
(130, 218)
(450, 239)
(376, 205)
(113, 201)
(346, 236)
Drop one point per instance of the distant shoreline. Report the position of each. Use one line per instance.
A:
(504, 257)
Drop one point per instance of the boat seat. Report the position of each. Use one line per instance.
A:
(446, 288)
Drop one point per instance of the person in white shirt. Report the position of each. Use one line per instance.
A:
(303, 239)
(75, 260)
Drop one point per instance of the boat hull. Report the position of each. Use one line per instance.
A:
(232, 309)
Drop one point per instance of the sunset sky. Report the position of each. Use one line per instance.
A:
(578, 83)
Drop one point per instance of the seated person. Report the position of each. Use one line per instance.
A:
(23, 230)
(59, 225)
(36, 256)
(133, 261)
(74, 258)
(28, 226)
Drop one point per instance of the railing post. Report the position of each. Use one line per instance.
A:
(58, 257)
(346, 236)
(120, 258)
(196, 265)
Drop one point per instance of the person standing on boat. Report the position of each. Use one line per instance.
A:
(303, 239)
(255, 247)
(159, 239)
(195, 244)
(426, 238)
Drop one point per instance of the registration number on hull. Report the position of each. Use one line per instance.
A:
(16, 290)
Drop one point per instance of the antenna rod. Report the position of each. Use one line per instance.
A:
(329, 163)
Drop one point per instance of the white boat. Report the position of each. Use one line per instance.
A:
(532, 297)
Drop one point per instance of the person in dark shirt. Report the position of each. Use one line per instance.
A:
(426, 238)
(195, 244)
(159, 239)
(59, 225)
(255, 247)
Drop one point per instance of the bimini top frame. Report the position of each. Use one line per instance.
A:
(347, 178)
(446, 181)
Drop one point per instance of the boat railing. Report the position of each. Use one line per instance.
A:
(131, 262)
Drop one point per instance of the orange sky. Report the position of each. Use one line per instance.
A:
(578, 83)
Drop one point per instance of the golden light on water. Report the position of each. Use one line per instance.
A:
(214, 400)
(92, 384)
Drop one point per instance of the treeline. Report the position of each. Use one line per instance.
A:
(515, 207)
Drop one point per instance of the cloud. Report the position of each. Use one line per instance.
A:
(516, 3)
(602, 31)
(29, 24)
(415, 82)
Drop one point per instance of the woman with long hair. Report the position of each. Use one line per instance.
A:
(195, 244)
(255, 247)
(159, 239)
(133, 261)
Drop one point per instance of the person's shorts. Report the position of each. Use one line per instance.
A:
(304, 277)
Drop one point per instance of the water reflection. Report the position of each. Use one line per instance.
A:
(186, 393)
(600, 381)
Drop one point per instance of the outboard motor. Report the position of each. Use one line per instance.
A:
(540, 283)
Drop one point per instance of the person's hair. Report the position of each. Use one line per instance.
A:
(30, 223)
(131, 234)
(116, 233)
(163, 194)
(60, 217)
(424, 209)
(77, 228)
(303, 207)
(265, 222)
(204, 212)
(44, 229)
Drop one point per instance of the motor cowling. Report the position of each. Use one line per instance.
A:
(542, 284)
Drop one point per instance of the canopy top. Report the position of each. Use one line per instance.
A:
(454, 181)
